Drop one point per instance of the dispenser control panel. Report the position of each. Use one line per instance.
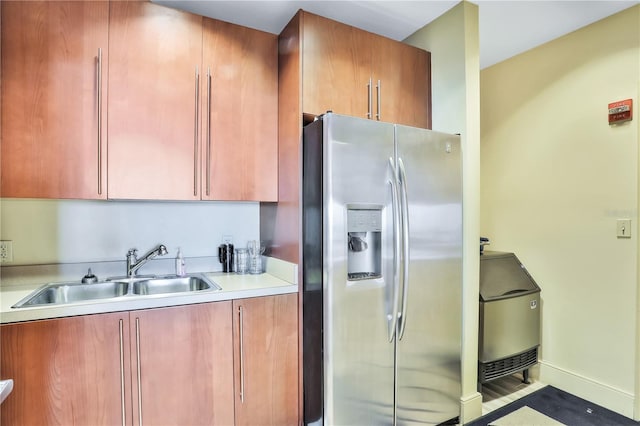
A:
(364, 237)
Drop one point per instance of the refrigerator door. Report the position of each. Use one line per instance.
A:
(429, 333)
(358, 271)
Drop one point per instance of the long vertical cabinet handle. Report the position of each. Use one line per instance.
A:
(369, 100)
(138, 372)
(208, 189)
(378, 94)
(405, 243)
(241, 363)
(395, 205)
(99, 112)
(195, 134)
(122, 399)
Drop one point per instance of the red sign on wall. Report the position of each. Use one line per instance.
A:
(620, 111)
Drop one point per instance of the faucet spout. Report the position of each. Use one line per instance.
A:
(133, 263)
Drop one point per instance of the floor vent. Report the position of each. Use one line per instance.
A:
(503, 367)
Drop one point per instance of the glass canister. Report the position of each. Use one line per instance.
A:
(256, 248)
(242, 261)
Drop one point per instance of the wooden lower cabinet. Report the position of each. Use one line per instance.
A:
(66, 371)
(182, 365)
(265, 331)
(178, 365)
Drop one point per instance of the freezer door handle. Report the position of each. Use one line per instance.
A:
(402, 179)
(392, 318)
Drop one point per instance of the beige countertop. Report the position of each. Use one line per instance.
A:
(279, 279)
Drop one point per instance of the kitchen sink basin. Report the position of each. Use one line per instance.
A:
(54, 294)
(120, 288)
(172, 285)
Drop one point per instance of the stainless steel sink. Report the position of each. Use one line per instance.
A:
(55, 294)
(65, 293)
(172, 285)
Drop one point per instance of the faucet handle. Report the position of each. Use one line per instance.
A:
(133, 252)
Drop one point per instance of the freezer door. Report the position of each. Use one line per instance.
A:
(358, 271)
(429, 345)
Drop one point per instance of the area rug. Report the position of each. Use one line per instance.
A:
(560, 406)
(525, 416)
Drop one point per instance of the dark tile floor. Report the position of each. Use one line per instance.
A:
(561, 406)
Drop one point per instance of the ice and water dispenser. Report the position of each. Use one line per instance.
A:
(364, 238)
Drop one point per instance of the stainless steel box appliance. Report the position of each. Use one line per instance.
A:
(509, 317)
(382, 273)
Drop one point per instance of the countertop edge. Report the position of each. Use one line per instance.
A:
(233, 287)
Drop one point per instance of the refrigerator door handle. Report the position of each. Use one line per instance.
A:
(395, 205)
(402, 179)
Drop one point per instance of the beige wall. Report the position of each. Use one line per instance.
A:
(555, 177)
(452, 40)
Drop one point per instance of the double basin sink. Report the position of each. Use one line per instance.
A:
(73, 292)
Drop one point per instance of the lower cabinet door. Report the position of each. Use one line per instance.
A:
(182, 365)
(265, 349)
(66, 371)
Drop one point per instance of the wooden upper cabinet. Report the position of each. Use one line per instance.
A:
(353, 72)
(336, 68)
(265, 348)
(67, 371)
(154, 95)
(182, 365)
(54, 99)
(239, 113)
(404, 75)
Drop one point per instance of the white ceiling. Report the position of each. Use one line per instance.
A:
(507, 28)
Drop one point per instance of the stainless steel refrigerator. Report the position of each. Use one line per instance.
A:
(382, 273)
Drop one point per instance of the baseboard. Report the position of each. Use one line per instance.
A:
(470, 407)
(599, 393)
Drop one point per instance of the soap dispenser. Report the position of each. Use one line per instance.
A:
(181, 270)
(89, 278)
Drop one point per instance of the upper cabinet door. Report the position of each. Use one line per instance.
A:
(402, 83)
(336, 68)
(54, 79)
(239, 113)
(353, 72)
(154, 97)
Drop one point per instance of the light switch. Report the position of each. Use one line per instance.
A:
(623, 227)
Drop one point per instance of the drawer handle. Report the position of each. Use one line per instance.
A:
(208, 131)
(138, 372)
(241, 319)
(369, 95)
(195, 134)
(122, 400)
(99, 113)
(379, 92)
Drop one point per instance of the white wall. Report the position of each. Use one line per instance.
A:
(69, 231)
(555, 177)
(452, 40)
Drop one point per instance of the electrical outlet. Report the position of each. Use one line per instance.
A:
(227, 239)
(6, 251)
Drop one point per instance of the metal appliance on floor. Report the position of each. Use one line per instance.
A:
(509, 317)
(382, 273)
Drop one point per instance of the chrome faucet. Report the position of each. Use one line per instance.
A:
(133, 263)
